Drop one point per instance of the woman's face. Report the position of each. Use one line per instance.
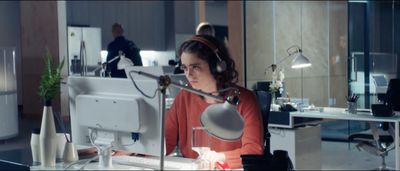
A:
(198, 72)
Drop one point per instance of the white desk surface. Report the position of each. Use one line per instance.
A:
(94, 165)
(341, 114)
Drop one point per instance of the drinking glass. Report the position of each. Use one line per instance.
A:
(201, 144)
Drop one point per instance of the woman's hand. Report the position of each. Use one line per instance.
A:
(214, 157)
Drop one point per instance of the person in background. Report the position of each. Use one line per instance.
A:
(128, 48)
(205, 28)
(199, 63)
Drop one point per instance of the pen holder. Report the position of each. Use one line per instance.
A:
(352, 107)
(70, 152)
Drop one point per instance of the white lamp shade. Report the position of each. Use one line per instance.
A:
(124, 62)
(300, 61)
(223, 121)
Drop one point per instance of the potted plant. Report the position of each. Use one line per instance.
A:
(50, 80)
(48, 89)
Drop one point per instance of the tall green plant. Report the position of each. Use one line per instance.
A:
(51, 78)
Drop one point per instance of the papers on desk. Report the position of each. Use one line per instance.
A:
(361, 112)
(333, 109)
(364, 110)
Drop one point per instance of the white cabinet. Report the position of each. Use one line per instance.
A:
(8, 94)
(303, 145)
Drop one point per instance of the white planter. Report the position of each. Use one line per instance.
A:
(35, 146)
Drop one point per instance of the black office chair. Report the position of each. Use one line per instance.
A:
(378, 140)
(279, 160)
(264, 100)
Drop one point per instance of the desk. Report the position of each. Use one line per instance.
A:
(125, 163)
(89, 166)
(341, 114)
(21, 156)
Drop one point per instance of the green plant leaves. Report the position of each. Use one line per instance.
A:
(50, 80)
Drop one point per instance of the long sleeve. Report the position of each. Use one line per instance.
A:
(171, 128)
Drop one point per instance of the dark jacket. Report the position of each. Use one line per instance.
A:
(130, 50)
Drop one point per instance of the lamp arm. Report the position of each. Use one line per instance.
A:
(113, 59)
(198, 92)
(165, 81)
(298, 49)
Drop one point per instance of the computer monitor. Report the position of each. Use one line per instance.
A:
(393, 95)
(380, 84)
(118, 111)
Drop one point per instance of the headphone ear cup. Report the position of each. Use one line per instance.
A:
(221, 66)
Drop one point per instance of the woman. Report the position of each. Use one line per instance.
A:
(203, 59)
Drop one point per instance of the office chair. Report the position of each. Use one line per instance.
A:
(378, 140)
(264, 100)
(279, 160)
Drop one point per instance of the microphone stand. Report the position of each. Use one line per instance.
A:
(164, 81)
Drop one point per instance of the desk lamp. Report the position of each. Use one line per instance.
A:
(122, 63)
(299, 61)
(221, 120)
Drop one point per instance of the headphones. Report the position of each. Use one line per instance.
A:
(221, 64)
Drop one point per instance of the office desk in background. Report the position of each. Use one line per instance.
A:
(341, 114)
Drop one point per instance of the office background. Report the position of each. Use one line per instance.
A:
(259, 34)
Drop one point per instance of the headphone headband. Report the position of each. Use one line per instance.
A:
(205, 42)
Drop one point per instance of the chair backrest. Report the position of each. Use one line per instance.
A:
(264, 101)
(393, 94)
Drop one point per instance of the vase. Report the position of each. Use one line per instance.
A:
(273, 98)
(48, 137)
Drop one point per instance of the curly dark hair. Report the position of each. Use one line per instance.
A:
(206, 53)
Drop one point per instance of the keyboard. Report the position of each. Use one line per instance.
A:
(170, 163)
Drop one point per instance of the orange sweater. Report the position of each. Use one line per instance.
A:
(185, 112)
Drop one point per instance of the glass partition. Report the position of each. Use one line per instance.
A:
(373, 49)
(8, 94)
(351, 45)
(7, 70)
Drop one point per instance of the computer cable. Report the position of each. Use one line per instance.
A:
(144, 94)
